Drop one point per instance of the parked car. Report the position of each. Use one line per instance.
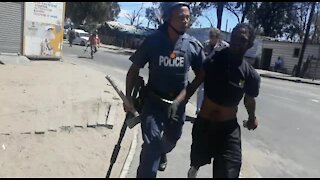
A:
(82, 37)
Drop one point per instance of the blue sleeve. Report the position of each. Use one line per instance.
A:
(252, 85)
(141, 55)
(206, 64)
(198, 59)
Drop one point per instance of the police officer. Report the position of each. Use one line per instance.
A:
(216, 132)
(170, 53)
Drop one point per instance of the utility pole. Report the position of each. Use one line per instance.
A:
(306, 37)
(227, 26)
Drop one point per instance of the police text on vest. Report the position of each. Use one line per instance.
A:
(168, 62)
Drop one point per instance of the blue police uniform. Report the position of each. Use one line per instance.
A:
(168, 75)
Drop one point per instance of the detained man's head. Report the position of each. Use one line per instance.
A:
(242, 38)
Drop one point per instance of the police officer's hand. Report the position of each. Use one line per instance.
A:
(252, 123)
(172, 111)
(130, 107)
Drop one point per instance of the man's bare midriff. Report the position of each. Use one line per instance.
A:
(216, 112)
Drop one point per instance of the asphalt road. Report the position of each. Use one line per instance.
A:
(286, 143)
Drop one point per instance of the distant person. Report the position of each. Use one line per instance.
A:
(94, 43)
(211, 46)
(305, 66)
(278, 65)
(72, 36)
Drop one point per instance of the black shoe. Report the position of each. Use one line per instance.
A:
(163, 162)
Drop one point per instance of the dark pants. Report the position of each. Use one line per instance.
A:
(93, 49)
(218, 140)
(159, 134)
(70, 42)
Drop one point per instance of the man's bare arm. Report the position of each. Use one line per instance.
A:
(181, 96)
(193, 86)
(250, 104)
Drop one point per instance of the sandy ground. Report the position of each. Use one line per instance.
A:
(62, 97)
(75, 153)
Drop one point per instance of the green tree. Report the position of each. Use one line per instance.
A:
(272, 17)
(152, 13)
(151, 16)
(92, 12)
(282, 19)
(134, 17)
(297, 27)
(316, 26)
(240, 8)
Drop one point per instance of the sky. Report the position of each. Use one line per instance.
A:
(227, 19)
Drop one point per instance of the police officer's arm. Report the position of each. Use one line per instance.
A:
(193, 86)
(197, 65)
(132, 76)
(251, 91)
(139, 59)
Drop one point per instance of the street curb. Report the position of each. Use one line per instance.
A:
(132, 151)
(118, 50)
(292, 80)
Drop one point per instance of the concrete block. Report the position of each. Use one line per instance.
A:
(92, 110)
(20, 122)
(104, 108)
(112, 115)
(41, 118)
(66, 110)
(80, 114)
(13, 59)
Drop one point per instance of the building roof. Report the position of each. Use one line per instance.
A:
(130, 29)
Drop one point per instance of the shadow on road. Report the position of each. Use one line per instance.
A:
(119, 52)
(85, 57)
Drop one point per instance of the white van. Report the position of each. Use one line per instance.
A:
(82, 37)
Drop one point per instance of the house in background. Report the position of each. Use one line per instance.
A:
(127, 36)
(290, 51)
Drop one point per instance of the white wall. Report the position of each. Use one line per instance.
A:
(285, 50)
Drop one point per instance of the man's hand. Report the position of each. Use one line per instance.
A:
(251, 124)
(172, 111)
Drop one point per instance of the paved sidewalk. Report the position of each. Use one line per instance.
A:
(115, 49)
(53, 119)
(276, 75)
